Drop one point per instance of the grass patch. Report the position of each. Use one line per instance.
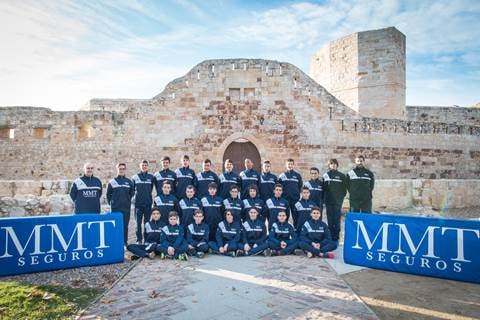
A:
(24, 301)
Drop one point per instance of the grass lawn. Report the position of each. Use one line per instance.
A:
(23, 301)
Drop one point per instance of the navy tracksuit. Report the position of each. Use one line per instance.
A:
(197, 237)
(172, 236)
(267, 185)
(274, 205)
(282, 232)
(335, 191)
(187, 209)
(316, 231)
(227, 179)
(120, 191)
(204, 178)
(248, 177)
(85, 193)
(254, 202)
(153, 230)
(360, 183)
(163, 175)
(227, 233)
(236, 206)
(165, 203)
(316, 188)
(143, 183)
(185, 177)
(292, 185)
(303, 208)
(213, 211)
(254, 233)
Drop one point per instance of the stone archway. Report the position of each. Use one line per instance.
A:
(240, 149)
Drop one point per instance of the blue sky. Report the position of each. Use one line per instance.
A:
(59, 54)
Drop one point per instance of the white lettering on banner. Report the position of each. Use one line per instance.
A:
(78, 231)
(10, 232)
(102, 232)
(383, 230)
(403, 230)
(460, 252)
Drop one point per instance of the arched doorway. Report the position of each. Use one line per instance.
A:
(240, 149)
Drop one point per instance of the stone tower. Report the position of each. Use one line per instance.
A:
(366, 71)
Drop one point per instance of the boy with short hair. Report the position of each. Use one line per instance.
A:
(292, 183)
(204, 178)
(360, 183)
(227, 179)
(267, 181)
(165, 174)
(197, 236)
(282, 237)
(315, 237)
(188, 205)
(172, 244)
(316, 187)
(248, 177)
(275, 204)
(153, 230)
(335, 191)
(143, 184)
(303, 208)
(253, 201)
(254, 235)
(212, 207)
(234, 203)
(227, 236)
(184, 177)
(165, 201)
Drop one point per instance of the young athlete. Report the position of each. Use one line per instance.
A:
(172, 244)
(184, 177)
(197, 236)
(292, 183)
(204, 178)
(253, 201)
(153, 230)
(276, 204)
(188, 205)
(254, 235)
(316, 186)
(282, 237)
(227, 236)
(165, 201)
(335, 191)
(315, 238)
(267, 181)
(212, 207)
(227, 179)
(303, 208)
(234, 204)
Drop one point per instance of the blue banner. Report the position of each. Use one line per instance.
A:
(436, 247)
(42, 243)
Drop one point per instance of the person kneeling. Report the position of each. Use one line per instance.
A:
(197, 236)
(227, 236)
(315, 238)
(254, 235)
(153, 231)
(173, 245)
(282, 238)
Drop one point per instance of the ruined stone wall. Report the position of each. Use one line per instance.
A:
(455, 115)
(282, 111)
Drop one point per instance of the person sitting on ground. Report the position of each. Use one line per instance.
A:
(197, 236)
(254, 234)
(315, 238)
(153, 230)
(173, 246)
(282, 238)
(227, 236)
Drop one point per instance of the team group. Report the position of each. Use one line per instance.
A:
(229, 214)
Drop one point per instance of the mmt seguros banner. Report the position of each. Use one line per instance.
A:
(31, 244)
(436, 247)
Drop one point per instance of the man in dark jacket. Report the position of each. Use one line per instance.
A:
(120, 191)
(335, 190)
(185, 177)
(292, 183)
(86, 191)
(360, 183)
(165, 174)
(143, 183)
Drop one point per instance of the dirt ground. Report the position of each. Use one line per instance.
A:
(394, 295)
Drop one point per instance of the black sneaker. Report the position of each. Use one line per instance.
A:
(240, 253)
(200, 254)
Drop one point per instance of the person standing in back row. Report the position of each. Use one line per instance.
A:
(184, 177)
(335, 190)
(86, 191)
(360, 183)
(248, 177)
(143, 183)
(292, 184)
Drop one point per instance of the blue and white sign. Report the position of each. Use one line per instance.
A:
(43, 243)
(443, 248)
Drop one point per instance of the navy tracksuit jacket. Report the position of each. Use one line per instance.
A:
(254, 233)
(292, 184)
(226, 180)
(274, 205)
(303, 208)
(267, 185)
(120, 191)
(197, 236)
(153, 230)
(143, 183)
(204, 178)
(282, 232)
(163, 175)
(227, 233)
(248, 178)
(316, 188)
(187, 209)
(85, 193)
(213, 211)
(165, 203)
(235, 205)
(316, 231)
(254, 202)
(172, 236)
(185, 177)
